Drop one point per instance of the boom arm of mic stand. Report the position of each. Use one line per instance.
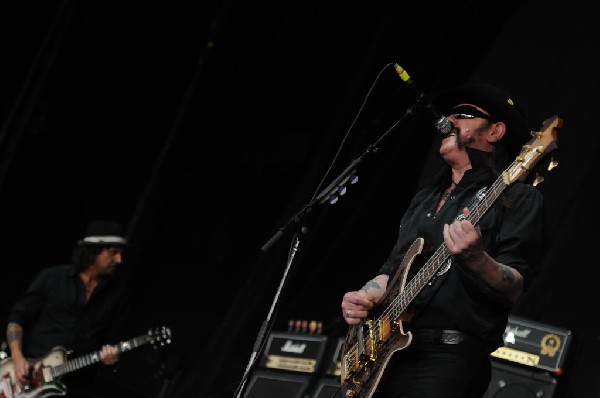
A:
(331, 192)
(321, 198)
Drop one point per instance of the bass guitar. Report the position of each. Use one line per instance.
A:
(369, 346)
(47, 371)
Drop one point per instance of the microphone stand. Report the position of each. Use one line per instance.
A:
(261, 334)
(330, 194)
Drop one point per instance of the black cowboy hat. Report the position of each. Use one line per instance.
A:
(501, 106)
(104, 233)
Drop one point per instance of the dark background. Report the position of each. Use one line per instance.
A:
(206, 126)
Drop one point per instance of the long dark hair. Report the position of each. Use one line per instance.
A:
(83, 256)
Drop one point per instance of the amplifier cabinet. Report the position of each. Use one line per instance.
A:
(294, 352)
(327, 387)
(277, 384)
(512, 381)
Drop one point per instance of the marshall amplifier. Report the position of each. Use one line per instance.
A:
(295, 352)
(534, 344)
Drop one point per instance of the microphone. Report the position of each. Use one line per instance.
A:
(441, 124)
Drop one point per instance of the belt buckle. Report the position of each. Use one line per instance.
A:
(452, 337)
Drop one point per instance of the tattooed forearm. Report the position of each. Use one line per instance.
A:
(14, 332)
(507, 274)
(371, 285)
(498, 281)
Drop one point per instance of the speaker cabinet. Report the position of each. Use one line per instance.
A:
(510, 381)
(327, 387)
(276, 384)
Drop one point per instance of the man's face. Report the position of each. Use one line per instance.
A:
(108, 259)
(471, 127)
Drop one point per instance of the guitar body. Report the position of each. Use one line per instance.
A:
(46, 372)
(41, 384)
(54, 388)
(365, 360)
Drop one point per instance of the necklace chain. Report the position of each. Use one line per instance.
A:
(448, 192)
(445, 195)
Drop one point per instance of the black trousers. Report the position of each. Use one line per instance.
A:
(437, 370)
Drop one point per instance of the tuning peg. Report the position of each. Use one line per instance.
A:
(553, 163)
(538, 179)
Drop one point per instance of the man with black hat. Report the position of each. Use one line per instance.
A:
(458, 318)
(78, 307)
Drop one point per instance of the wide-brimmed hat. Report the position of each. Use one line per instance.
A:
(500, 104)
(103, 233)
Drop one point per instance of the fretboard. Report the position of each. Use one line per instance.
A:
(94, 357)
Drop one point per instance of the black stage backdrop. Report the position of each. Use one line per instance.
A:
(207, 126)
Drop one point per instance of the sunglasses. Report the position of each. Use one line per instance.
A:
(468, 112)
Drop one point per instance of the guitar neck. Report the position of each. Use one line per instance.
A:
(94, 357)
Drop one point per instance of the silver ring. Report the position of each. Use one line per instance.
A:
(348, 313)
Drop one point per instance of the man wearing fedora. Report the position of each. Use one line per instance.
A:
(79, 307)
(459, 316)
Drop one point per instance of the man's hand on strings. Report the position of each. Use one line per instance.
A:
(464, 242)
(356, 306)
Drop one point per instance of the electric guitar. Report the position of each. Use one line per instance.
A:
(369, 346)
(46, 372)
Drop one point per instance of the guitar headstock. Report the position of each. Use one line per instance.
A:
(159, 336)
(542, 143)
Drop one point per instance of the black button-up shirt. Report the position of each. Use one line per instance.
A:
(512, 231)
(53, 312)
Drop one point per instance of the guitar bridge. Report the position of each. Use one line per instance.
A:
(366, 342)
